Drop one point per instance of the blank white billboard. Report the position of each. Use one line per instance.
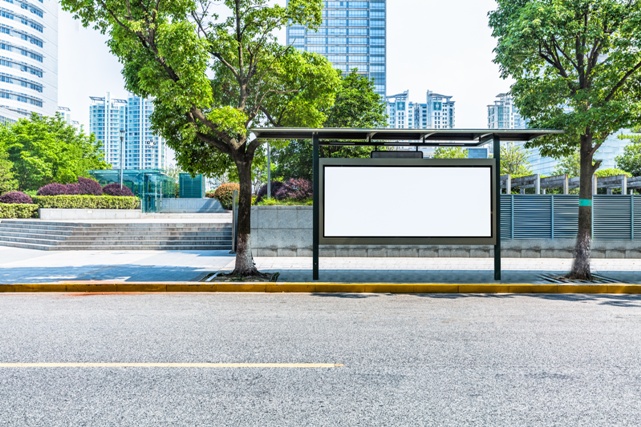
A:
(407, 201)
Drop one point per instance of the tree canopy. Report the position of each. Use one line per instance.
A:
(7, 181)
(577, 67)
(514, 160)
(356, 106)
(450, 153)
(213, 78)
(47, 149)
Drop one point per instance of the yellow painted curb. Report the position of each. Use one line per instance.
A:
(324, 287)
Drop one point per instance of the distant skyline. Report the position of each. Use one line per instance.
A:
(431, 45)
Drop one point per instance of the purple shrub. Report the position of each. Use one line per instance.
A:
(72, 189)
(16, 197)
(89, 186)
(53, 189)
(292, 189)
(115, 190)
(295, 189)
(262, 192)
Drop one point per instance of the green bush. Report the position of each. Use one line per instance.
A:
(87, 202)
(604, 173)
(18, 210)
(225, 193)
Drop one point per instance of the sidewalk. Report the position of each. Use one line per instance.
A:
(20, 266)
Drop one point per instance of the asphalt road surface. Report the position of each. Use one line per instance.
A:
(334, 360)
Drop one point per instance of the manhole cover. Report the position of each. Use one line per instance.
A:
(597, 279)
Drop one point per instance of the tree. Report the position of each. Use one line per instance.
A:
(7, 181)
(356, 106)
(514, 160)
(47, 149)
(450, 153)
(630, 160)
(213, 79)
(569, 165)
(577, 67)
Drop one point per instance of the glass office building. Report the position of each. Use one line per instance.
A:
(28, 58)
(143, 149)
(352, 35)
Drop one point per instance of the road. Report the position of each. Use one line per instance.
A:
(376, 360)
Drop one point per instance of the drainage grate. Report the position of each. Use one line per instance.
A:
(596, 279)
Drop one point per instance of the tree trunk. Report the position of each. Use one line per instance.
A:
(581, 266)
(244, 260)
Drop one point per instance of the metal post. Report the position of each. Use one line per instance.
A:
(269, 171)
(316, 207)
(122, 155)
(497, 213)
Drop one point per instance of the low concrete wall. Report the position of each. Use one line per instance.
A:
(286, 231)
(205, 205)
(68, 214)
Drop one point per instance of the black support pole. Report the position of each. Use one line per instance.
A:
(497, 213)
(316, 207)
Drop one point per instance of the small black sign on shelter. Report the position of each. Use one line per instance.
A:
(339, 218)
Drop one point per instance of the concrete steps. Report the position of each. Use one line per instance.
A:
(116, 235)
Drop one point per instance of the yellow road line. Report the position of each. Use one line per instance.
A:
(170, 365)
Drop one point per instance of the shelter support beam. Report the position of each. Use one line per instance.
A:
(316, 206)
(497, 212)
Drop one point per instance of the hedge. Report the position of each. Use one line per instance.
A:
(18, 210)
(87, 202)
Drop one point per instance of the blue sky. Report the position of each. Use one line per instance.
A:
(443, 46)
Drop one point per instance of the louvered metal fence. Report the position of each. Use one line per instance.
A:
(614, 217)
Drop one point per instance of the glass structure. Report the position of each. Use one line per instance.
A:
(28, 58)
(151, 186)
(143, 149)
(352, 35)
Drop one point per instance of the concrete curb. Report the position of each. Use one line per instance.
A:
(324, 287)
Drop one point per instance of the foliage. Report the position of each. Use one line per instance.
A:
(7, 180)
(634, 137)
(214, 79)
(450, 153)
(604, 173)
(16, 197)
(47, 149)
(514, 160)
(55, 189)
(225, 194)
(89, 186)
(630, 160)
(576, 65)
(14, 210)
(356, 106)
(87, 202)
(285, 202)
(569, 165)
(115, 189)
(292, 189)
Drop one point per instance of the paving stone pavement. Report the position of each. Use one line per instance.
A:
(33, 266)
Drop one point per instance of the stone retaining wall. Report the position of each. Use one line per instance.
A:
(286, 231)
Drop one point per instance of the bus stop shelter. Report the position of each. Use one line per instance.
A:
(482, 203)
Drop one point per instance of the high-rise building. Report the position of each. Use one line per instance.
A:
(437, 112)
(352, 35)
(28, 58)
(503, 114)
(125, 124)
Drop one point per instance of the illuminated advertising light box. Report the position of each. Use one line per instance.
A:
(407, 201)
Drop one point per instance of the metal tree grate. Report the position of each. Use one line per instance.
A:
(597, 279)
